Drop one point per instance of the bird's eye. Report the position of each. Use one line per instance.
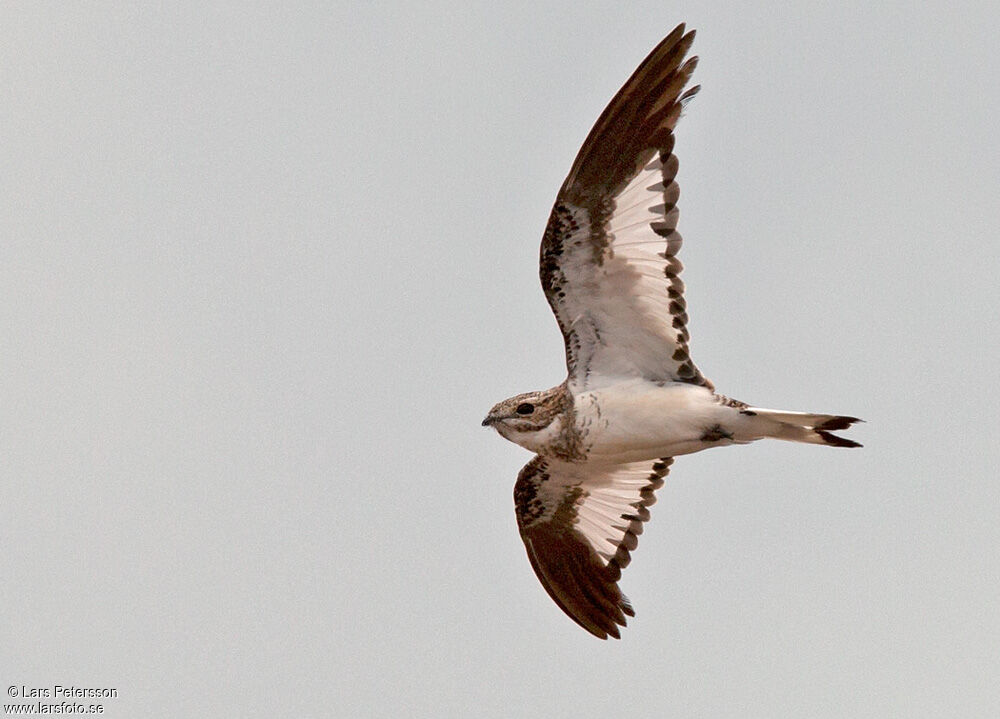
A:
(525, 408)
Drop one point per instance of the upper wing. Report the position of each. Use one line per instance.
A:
(579, 523)
(608, 264)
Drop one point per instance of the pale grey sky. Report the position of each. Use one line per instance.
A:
(263, 269)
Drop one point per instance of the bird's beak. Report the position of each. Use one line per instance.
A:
(490, 419)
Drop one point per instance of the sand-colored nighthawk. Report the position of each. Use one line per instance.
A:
(633, 399)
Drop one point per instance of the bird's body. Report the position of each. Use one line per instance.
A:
(633, 399)
(634, 419)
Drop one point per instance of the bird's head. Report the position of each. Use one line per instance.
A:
(529, 419)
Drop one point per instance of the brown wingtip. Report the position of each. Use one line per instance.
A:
(688, 94)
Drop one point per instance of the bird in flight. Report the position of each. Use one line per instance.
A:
(605, 437)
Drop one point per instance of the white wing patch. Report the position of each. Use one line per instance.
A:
(616, 289)
(613, 507)
(643, 239)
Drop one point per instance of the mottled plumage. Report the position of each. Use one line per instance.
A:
(633, 398)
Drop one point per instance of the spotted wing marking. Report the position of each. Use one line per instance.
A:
(580, 523)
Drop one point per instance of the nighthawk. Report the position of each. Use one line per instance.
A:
(633, 399)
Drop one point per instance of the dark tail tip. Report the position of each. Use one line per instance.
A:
(835, 423)
(836, 441)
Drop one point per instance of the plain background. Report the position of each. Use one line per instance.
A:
(264, 268)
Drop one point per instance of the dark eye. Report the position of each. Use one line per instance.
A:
(525, 408)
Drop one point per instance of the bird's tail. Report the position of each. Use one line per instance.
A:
(805, 427)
